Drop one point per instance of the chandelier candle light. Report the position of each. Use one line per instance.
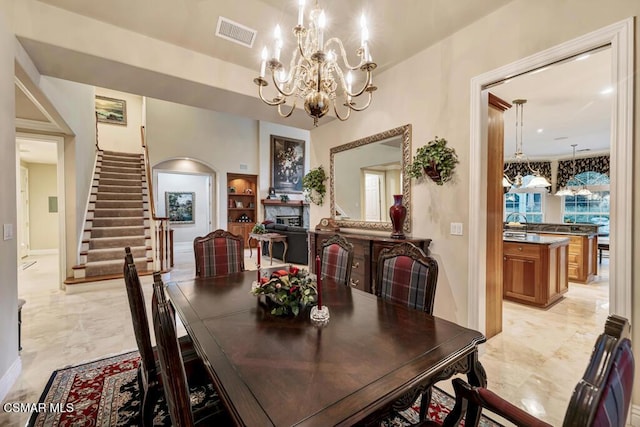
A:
(314, 74)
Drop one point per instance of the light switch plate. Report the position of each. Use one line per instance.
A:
(456, 228)
(7, 231)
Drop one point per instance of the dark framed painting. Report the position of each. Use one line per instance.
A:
(180, 207)
(287, 164)
(111, 110)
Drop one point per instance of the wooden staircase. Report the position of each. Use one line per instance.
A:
(117, 217)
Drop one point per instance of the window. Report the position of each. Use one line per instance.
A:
(594, 208)
(529, 204)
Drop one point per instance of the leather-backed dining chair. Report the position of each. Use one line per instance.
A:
(336, 254)
(218, 253)
(406, 275)
(188, 403)
(601, 398)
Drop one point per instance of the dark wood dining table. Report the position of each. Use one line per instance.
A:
(371, 357)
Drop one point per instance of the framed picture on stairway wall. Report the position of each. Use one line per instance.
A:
(287, 164)
(111, 110)
(180, 207)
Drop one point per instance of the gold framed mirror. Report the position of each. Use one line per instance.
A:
(364, 176)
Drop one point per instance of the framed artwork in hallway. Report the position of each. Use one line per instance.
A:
(180, 207)
(111, 110)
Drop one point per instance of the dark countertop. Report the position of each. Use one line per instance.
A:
(569, 229)
(536, 239)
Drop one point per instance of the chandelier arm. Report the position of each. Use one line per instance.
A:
(335, 109)
(343, 54)
(366, 85)
(276, 101)
(293, 107)
(278, 88)
(354, 108)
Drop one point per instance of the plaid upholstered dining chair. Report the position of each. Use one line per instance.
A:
(336, 254)
(406, 275)
(218, 253)
(601, 398)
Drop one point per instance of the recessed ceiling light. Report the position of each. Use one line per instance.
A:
(583, 56)
(540, 130)
(606, 91)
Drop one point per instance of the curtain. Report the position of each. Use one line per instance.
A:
(521, 167)
(598, 164)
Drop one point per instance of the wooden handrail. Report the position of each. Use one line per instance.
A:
(97, 144)
(162, 229)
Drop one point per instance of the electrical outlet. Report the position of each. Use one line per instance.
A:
(456, 228)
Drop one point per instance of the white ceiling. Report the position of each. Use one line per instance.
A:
(34, 150)
(567, 102)
(564, 100)
(398, 30)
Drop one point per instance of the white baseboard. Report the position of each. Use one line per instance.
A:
(9, 378)
(43, 251)
(635, 416)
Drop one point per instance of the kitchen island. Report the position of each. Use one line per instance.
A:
(583, 247)
(535, 269)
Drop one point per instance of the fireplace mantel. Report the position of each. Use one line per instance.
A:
(275, 209)
(290, 203)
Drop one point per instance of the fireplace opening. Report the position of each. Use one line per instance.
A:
(294, 220)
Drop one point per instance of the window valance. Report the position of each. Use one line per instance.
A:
(598, 164)
(515, 168)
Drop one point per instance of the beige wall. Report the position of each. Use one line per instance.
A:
(224, 142)
(43, 230)
(123, 138)
(75, 102)
(9, 362)
(432, 92)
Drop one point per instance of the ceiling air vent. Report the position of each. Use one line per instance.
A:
(229, 30)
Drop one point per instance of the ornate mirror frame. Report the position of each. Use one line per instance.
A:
(405, 132)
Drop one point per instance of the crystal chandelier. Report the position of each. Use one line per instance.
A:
(538, 181)
(584, 191)
(314, 74)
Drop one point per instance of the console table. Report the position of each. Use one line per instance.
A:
(269, 237)
(366, 250)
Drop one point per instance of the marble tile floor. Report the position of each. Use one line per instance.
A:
(534, 363)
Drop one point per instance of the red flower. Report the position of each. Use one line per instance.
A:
(293, 270)
(280, 273)
(263, 280)
(293, 289)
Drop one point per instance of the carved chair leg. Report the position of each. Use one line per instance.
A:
(149, 400)
(425, 400)
(458, 410)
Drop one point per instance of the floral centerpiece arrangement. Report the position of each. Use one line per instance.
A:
(288, 290)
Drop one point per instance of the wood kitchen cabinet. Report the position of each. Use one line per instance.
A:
(535, 273)
(583, 256)
(366, 250)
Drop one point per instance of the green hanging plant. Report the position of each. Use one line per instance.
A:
(435, 160)
(313, 185)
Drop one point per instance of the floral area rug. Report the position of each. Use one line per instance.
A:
(105, 393)
(440, 406)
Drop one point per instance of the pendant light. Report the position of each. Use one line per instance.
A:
(538, 181)
(566, 191)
